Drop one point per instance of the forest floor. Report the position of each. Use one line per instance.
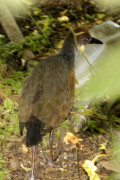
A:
(17, 157)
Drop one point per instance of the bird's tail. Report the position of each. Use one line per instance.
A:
(33, 136)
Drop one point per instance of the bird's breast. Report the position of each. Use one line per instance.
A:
(72, 80)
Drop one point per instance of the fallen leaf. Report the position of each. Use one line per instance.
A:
(14, 138)
(110, 165)
(63, 19)
(24, 148)
(70, 137)
(64, 12)
(14, 164)
(25, 168)
(90, 168)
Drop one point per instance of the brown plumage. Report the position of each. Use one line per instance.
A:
(47, 96)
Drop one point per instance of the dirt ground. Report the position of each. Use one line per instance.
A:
(18, 159)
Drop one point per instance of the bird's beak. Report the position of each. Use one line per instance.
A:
(95, 41)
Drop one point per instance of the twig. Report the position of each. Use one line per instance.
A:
(79, 151)
(78, 165)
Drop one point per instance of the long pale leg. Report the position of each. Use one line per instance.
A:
(33, 162)
(51, 139)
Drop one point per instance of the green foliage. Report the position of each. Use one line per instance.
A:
(3, 169)
(100, 15)
(104, 86)
(45, 141)
(113, 176)
(8, 104)
(37, 11)
(88, 16)
(80, 93)
(66, 124)
(34, 42)
(9, 115)
(103, 146)
(10, 119)
(57, 132)
(9, 112)
(106, 81)
(97, 113)
(116, 155)
(93, 125)
(13, 83)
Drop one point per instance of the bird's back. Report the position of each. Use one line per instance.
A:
(48, 93)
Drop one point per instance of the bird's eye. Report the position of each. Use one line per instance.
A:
(87, 39)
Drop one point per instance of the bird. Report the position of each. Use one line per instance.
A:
(48, 93)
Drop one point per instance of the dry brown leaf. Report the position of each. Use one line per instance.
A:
(110, 165)
(14, 138)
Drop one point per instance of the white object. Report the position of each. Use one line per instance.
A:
(109, 33)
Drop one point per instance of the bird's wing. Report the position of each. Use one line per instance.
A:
(47, 94)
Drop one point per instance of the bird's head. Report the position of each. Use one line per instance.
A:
(84, 38)
(74, 39)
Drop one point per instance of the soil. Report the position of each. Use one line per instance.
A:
(18, 159)
(17, 155)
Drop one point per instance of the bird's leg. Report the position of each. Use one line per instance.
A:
(51, 162)
(51, 139)
(33, 162)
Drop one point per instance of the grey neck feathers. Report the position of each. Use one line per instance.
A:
(69, 50)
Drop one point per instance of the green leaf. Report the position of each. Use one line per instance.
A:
(88, 16)
(100, 16)
(101, 130)
(66, 124)
(8, 104)
(58, 133)
(37, 11)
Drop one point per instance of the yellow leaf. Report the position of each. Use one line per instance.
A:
(65, 170)
(103, 146)
(64, 12)
(90, 168)
(70, 137)
(24, 148)
(63, 19)
(25, 168)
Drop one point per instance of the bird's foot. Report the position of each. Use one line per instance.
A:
(51, 163)
(32, 178)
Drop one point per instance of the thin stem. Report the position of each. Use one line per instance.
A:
(91, 68)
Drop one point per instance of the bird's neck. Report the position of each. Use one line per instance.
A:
(69, 50)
